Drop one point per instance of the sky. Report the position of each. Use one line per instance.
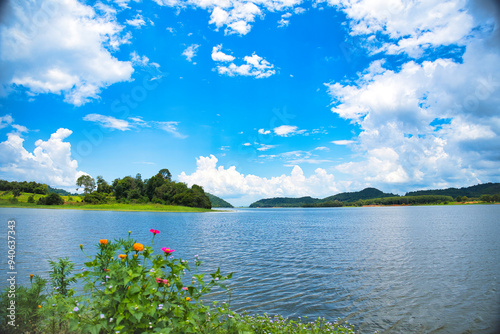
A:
(252, 99)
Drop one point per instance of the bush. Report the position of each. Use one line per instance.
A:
(51, 199)
(31, 199)
(13, 200)
(95, 198)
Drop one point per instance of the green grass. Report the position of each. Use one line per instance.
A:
(77, 205)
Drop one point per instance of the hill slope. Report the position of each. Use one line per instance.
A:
(367, 193)
(473, 191)
(218, 202)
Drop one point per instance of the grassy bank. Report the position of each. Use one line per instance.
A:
(75, 203)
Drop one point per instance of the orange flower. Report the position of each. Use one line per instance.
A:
(39, 306)
(31, 275)
(122, 256)
(138, 247)
(188, 298)
(103, 241)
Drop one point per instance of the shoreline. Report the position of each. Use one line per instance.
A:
(113, 207)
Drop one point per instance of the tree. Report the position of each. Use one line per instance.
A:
(51, 199)
(166, 174)
(103, 186)
(87, 182)
(16, 191)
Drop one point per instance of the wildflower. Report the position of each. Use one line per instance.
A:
(184, 288)
(106, 270)
(108, 277)
(167, 251)
(102, 316)
(159, 280)
(165, 281)
(138, 247)
(217, 278)
(81, 246)
(122, 256)
(160, 306)
(188, 298)
(76, 309)
(39, 306)
(155, 232)
(110, 319)
(103, 241)
(110, 286)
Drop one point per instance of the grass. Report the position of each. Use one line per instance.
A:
(76, 204)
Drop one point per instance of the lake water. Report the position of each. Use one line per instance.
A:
(426, 269)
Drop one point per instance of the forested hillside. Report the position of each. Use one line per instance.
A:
(218, 202)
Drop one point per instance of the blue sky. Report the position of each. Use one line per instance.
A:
(252, 99)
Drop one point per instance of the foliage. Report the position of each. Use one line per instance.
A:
(60, 192)
(218, 202)
(51, 199)
(95, 198)
(367, 193)
(263, 324)
(27, 301)
(27, 187)
(31, 199)
(87, 182)
(103, 186)
(474, 191)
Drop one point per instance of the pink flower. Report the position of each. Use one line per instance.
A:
(155, 232)
(184, 288)
(168, 251)
(158, 280)
(165, 281)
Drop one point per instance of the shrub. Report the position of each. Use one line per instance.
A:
(95, 198)
(31, 199)
(51, 199)
(13, 200)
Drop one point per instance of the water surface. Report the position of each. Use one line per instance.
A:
(426, 269)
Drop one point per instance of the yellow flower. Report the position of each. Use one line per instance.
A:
(135, 256)
(188, 298)
(39, 306)
(122, 256)
(138, 247)
(31, 275)
(103, 241)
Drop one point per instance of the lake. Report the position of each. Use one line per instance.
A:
(415, 269)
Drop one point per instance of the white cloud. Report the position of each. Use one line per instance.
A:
(342, 142)
(218, 55)
(66, 52)
(236, 15)
(5, 121)
(136, 123)
(190, 52)
(264, 147)
(395, 110)
(264, 132)
(247, 144)
(108, 122)
(137, 22)
(411, 26)
(254, 66)
(287, 130)
(50, 162)
(248, 188)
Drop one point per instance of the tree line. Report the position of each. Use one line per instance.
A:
(159, 189)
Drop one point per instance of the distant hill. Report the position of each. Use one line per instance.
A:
(284, 202)
(218, 202)
(474, 191)
(367, 193)
(61, 192)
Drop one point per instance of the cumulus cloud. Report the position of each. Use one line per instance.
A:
(236, 16)
(244, 189)
(218, 55)
(264, 132)
(287, 130)
(50, 162)
(254, 66)
(61, 47)
(411, 26)
(190, 52)
(137, 22)
(397, 109)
